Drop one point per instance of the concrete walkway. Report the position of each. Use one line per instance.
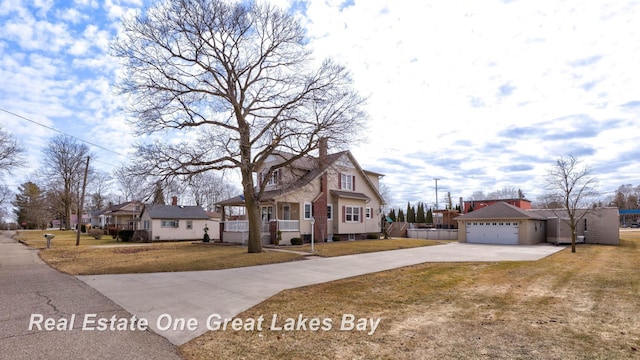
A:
(161, 298)
(29, 288)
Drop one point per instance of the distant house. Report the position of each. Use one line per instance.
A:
(174, 222)
(503, 223)
(331, 196)
(121, 216)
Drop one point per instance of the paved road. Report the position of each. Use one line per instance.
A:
(29, 288)
(163, 298)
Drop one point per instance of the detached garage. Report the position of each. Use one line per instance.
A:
(503, 224)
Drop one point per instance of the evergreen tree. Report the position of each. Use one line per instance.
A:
(429, 216)
(392, 215)
(411, 214)
(401, 217)
(158, 195)
(420, 216)
(30, 206)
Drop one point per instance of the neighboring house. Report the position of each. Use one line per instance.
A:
(122, 216)
(174, 222)
(331, 196)
(502, 223)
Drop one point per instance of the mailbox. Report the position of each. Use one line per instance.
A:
(49, 237)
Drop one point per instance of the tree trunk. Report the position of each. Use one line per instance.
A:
(252, 204)
(255, 224)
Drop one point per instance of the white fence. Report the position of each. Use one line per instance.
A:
(433, 234)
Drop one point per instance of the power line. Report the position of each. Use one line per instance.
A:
(61, 132)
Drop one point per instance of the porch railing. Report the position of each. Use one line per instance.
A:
(243, 226)
(289, 225)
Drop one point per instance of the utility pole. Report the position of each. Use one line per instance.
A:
(436, 179)
(81, 203)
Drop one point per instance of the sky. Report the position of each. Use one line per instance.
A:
(482, 95)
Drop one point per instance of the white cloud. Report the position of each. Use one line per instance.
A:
(446, 82)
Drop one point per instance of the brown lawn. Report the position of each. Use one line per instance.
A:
(567, 306)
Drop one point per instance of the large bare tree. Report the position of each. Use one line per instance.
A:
(65, 159)
(232, 83)
(572, 188)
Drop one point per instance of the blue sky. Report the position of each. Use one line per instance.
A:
(480, 94)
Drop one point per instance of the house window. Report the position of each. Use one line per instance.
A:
(169, 223)
(346, 182)
(267, 213)
(367, 213)
(189, 224)
(275, 176)
(329, 212)
(308, 211)
(145, 225)
(352, 214)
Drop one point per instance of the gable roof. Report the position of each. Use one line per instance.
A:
(500, 211)
(158, 211)
(314, 169)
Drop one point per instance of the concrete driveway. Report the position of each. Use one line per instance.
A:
(180, 299)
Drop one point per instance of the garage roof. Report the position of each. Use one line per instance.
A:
(499, 211)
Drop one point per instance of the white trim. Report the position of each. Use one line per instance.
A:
(304, 210)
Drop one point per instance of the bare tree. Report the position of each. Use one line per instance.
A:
(130, 186)
(65, 158)
(239, 73)
(99, 185)
(208, 188)
(10, 152)
(570, 186)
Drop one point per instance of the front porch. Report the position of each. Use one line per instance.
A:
(237, 231)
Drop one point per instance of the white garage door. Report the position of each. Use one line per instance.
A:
(492, 232)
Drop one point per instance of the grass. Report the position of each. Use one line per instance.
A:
(106, 256)
(340, 248)
(582, 305)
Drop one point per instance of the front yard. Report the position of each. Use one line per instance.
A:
(567, 306)
(106, 256)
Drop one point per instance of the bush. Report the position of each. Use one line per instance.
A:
(83, 228)
(96, 233)
(296, 241)
(373, 236)
(125, 235)
(141, 236)
(113, 232)
(336, 238)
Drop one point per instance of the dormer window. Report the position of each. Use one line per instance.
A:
(347, 182)
(274, 178)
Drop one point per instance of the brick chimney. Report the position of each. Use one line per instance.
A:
(174, 201)
(324, 148)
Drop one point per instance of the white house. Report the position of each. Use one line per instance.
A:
(174, 222)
